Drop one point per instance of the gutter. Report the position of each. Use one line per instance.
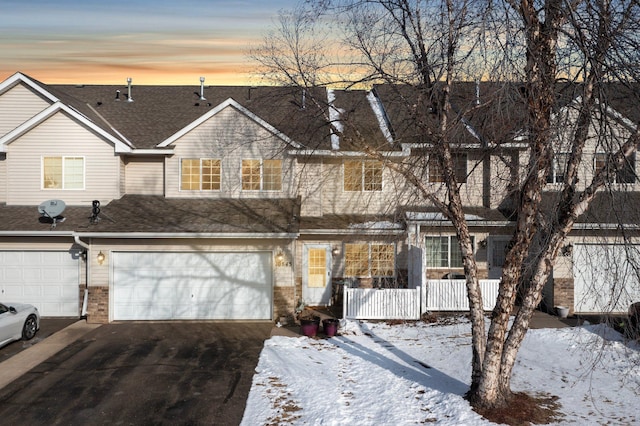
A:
(353, 231)
(156, 235)
(442, 223)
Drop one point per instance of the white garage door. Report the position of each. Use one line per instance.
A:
(606, 277)
(48, 280)
(166, 286)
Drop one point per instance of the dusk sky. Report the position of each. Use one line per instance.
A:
(151, 41)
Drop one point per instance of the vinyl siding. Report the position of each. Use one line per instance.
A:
(337, 201)
(61, 136)
(231, 137)
(3, 177)
(144, 176)
(17, 105)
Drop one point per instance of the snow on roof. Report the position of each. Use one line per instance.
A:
(334, 118)
(380, 116)
(432, 216)
(375, 225)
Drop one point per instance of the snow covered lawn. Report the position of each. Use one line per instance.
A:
(416, 373)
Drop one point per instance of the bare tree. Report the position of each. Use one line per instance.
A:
(548, 47)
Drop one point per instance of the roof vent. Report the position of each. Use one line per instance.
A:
(117, 95)
(129, 98)
(202, 98)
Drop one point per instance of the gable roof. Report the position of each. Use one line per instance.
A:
(233, 104)
(119, 144)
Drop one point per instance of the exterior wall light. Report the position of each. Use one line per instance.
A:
(335, 251)
(101, 257)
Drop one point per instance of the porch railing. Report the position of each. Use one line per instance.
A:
(410, 304)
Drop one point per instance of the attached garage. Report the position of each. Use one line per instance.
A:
(192, 285)
(49, 280)
(606, 277)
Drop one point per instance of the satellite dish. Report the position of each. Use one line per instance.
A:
(53, 210)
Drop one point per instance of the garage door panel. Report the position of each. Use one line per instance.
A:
(211, 285)
(47, 279)
(605, 277)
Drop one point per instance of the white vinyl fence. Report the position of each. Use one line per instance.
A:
(383, 303)
(451, 295)
(410, 304)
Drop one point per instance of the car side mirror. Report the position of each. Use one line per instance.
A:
(12, 310)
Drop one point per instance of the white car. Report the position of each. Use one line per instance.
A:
(18, 321)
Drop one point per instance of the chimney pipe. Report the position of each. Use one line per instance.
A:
(304, 98)
(202, 98)
(129, 98)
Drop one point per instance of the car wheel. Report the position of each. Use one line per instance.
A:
(30, 328)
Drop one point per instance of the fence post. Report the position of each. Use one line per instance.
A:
(345, 301)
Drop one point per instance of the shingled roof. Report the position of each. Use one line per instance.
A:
(159, 215)
(158, 112)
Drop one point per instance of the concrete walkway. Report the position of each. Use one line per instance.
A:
(25, 360)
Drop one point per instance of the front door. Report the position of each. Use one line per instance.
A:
(316, 278)
(496, 251)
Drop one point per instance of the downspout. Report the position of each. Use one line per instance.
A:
(85, 300)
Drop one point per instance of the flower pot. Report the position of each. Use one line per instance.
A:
(563, 312)
(330, 326)
(309, 326)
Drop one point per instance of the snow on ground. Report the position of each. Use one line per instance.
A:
(416, 373)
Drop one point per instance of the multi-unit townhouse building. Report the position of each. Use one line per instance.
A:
(217, 202)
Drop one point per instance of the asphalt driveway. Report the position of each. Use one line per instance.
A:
(179, 373)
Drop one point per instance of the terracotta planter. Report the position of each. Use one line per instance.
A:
(309, 326)
(330, 326)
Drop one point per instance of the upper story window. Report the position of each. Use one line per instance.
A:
(200, 174)
(558, 168)
(436, 173)
(624, 174)
(362, 175)
(261, 175)
(63, 172)
(443, 252)
(369, 260)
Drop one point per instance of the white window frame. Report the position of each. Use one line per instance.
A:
(370, 260)
(558, 168)
(449, 251)
(262, 174)
(363, 183)
(614, 177)
(63, 184)
(200, 174)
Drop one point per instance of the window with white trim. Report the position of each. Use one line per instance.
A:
(443, 251)
(436, 173)
(261, 175)
(624, 174)
(558, 168)
(362, 175)
(369, 260)
(63, 172)
(200, 174)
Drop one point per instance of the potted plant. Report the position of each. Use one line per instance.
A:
(330, 326)
(309, 324)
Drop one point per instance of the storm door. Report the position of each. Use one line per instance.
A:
(316, 278)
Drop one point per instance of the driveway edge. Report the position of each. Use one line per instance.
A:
(29, 358)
